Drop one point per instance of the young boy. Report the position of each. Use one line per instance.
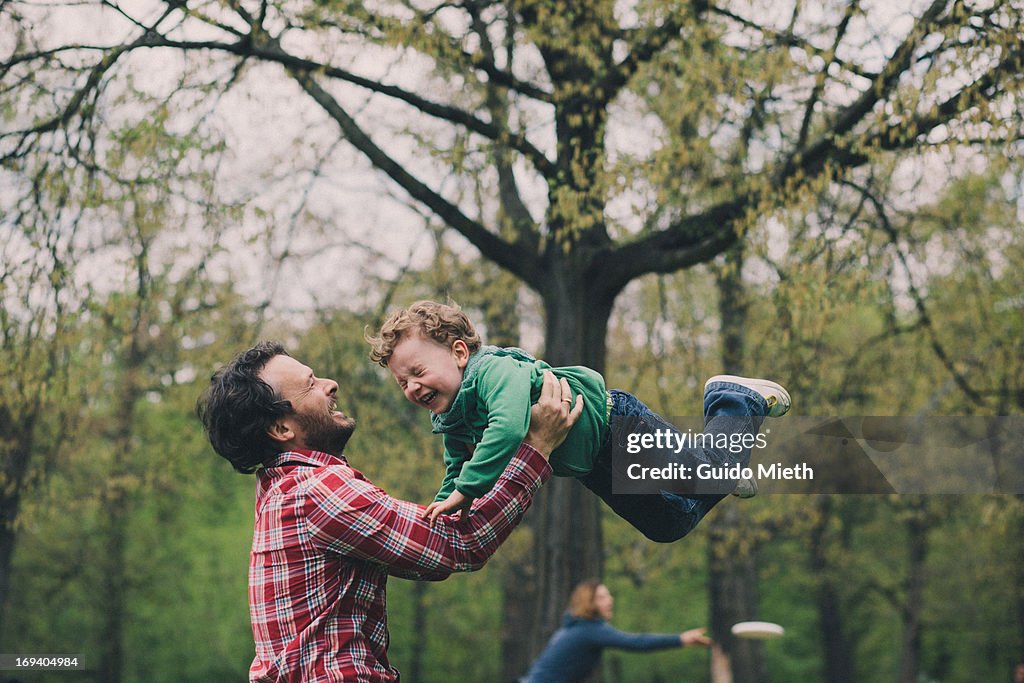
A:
(480, 397)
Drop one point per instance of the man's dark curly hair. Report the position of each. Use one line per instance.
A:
(238, 407)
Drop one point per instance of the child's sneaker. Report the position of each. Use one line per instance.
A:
(745, 488)
(774, 394)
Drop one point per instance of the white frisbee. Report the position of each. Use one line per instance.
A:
(757, 630)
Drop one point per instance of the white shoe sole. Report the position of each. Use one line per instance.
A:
(774, 393)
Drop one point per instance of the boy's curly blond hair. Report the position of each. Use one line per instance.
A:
(442, 323)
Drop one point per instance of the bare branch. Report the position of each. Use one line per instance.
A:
(508, 190)
(506, 255)
(846, 119)
(819, 84)
(691, 240)
(915, 294)
(789, 39)
(272, 52)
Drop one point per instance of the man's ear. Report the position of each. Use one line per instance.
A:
(281, 430)
(461, 353)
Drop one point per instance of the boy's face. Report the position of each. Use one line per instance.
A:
(429, 373)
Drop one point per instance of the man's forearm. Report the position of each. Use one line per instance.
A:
(496, 513)
(473, 540)
(365, 523)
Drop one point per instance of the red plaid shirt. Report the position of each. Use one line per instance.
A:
(324, 543)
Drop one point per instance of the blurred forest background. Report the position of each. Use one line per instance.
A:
(825, 193)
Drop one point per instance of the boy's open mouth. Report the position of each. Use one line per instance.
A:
(426, 400)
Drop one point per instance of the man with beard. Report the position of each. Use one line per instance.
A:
(325, 537)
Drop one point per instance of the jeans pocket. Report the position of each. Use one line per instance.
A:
(622, 427)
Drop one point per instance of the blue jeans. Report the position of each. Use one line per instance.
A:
(667, 516)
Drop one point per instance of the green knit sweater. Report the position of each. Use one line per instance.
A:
(491, 415)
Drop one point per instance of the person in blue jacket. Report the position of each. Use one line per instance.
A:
(574, 650)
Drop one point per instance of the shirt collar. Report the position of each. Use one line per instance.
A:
(306, 457)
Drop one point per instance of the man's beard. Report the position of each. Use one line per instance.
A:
(322, 433)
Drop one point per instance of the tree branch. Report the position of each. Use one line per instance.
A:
(77, 100)
(849, 154)
(819, 84)
(508, 256)
(691, 240)
(272, 52)
(410, 30)
(72, 108)
(915, 294)
(981, 90)
(788, 39)
(643, 51)
(844, 122)
(508, 190)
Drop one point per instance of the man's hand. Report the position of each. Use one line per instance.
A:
(456, 502)
(550, 418)
(695, 636)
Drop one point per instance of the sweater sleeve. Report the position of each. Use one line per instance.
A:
(605, 635)
(455, 456)
(354, 518)
(503, 395)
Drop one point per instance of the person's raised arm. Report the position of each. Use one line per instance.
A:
(352, 517)
(694, 636)
(607, 635)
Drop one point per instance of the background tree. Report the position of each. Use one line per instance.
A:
(187, 543)
(615, 140)
(37, 324)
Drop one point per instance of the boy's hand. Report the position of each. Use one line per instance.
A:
(456, 502)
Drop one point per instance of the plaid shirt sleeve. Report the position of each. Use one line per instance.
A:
(354, 518)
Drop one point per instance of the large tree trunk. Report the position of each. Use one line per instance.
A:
(732, 562)
(566, 518)
(838, 649)
(116, 501)
(734, 598)
(917, 551)
(567, 548)
(1019, 577)
(16, 445)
